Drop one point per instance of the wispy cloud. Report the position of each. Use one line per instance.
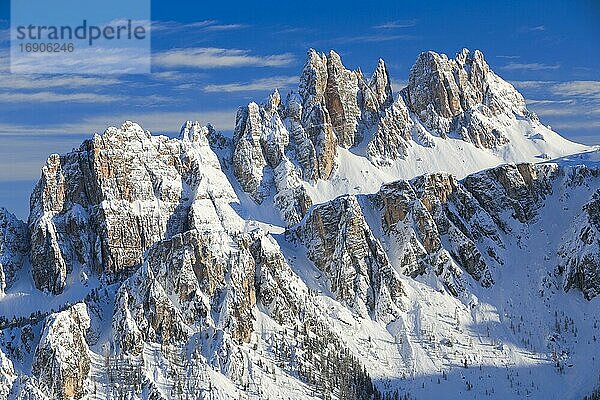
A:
(574, 124)
(255, 85)
(4, 36)
(589, 89)
(161, 26)
(534, 101)
(575, 89)
(294, 29)
(570, 107)
(92, 60)
(53, 97)
(513, 66)
(211, 57)
(397, 24)
(530, 84)
(510, 57)
(536, 28)
(398, 84)
(374, 38)
(166, 27)
(225, 27)
(16, 81)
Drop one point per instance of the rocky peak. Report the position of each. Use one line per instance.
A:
(14, 245)
(313, 81)
(337, 107)
(444, 84)
(101, 206)
(193, 131)
(381, 86)
(341, 244)
(341, 100)
(274, 102)
(460, 94)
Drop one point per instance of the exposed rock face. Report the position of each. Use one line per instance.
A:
(462, 95)
(260, 162)
(277, 145)
(14, 245)
(392, 129)
(433, 223)
(517, 188)
(336, 107)
(187, 275)
(341, 98)
(62, 362)
(101, 206)
(580, 255)
(7, 376)
(341, 244)
(248, 159)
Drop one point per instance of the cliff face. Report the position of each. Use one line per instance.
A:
(579, 261)
(463, 95)
(62, 362)
(100, 207)
(14, 245)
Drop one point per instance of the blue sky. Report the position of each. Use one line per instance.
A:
(211, 57)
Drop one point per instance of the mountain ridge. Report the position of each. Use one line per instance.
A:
(306, 257)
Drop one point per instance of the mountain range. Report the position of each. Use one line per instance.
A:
(348, 241)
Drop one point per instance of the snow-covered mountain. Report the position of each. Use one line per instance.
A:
(341, 133)
(343, 244)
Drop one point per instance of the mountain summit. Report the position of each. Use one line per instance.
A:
(340, 131)
(348, 242)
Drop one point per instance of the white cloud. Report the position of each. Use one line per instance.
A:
(22, 156)
(255, 85)
(170, 27)
(225, 27)
(17, 81)
(397, 24)
(578, 124)
(91, 60)
(530, 67)
(37, 142)
(569, 107)
(587, 139)
(537, 28)
(211, 57)
(531, 84)
(53, 97)
(533, 101)
(398, 84)
(161, 26)
(4, 35)
(589, 89)
(165, 122)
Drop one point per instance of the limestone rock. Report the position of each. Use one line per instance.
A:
(14, 245)
(579, 260)
(101, 206)
(62, 361)
(341, 244)
(462, 95)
